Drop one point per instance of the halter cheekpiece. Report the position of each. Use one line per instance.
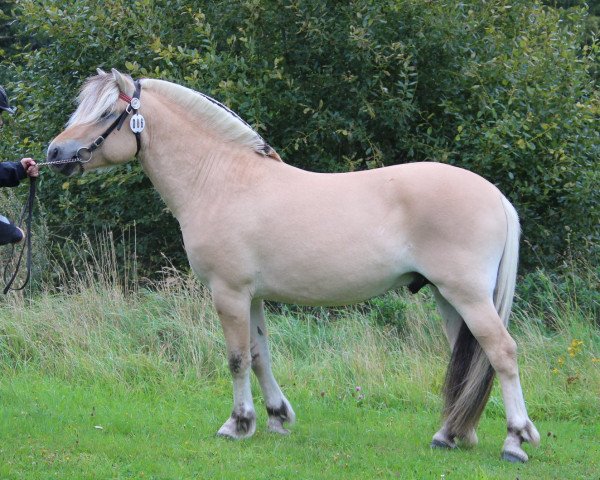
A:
(136, 123)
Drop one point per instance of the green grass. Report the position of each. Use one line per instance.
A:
(149, 367)
(48, 430)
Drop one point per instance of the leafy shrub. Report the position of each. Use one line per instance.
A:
(389, 310)
(552, 296)
(505, 89)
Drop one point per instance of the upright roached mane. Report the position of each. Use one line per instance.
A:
(99, 94)
(262, 230)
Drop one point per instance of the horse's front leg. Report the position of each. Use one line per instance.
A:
(233, 308)
(278, 408)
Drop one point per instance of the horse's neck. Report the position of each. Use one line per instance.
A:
(190, 168)
(190, 165)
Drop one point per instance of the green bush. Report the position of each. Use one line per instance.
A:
(389, 310)
(505, 89)
(552, 297)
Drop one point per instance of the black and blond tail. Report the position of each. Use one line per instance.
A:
(470, 376)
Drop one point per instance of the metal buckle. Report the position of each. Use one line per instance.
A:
(99, 141)
(135, 103)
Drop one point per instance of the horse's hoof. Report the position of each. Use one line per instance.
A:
(225, 435)
(442, 440)
(514, 457)
(229, 435)
(276, 427)
(280, 416)
(435, 443)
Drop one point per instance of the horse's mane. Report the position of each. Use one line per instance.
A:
(99, 95)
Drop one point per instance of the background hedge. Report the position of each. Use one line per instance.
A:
(507, 89)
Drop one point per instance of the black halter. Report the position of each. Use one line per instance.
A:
(84, 154)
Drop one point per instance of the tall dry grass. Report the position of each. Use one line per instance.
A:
(95, 328)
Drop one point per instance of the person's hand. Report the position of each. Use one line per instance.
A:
(30, 167)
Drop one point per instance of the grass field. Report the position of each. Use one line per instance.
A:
(49, 428)
(101, 384)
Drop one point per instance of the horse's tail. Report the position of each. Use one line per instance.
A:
(507, 271)
(470, 375)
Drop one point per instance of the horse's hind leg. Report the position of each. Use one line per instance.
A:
(233, 309)
(487, 328)
(278, 408)
(452, 325)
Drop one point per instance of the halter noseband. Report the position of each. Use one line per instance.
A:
(136, 123)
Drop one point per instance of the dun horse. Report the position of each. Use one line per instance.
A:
(258, 229)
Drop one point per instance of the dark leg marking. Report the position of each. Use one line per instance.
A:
(281, 412)
(260, 332)
(235, 363)
(242, 422)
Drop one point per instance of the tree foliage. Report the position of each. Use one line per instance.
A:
(503, 88)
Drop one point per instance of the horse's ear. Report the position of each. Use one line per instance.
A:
(124, 86)
(100, 71)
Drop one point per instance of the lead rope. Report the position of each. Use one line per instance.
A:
(27, 209)
(84, 155)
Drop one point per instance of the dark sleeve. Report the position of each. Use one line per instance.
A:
(9, 233)
(11, 173)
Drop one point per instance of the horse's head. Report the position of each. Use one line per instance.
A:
(102, 100)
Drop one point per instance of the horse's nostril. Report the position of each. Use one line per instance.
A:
(54, 153)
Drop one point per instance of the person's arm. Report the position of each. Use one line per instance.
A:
(9, 232)
(11, 173)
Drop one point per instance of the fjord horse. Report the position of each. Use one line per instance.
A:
(256, 228)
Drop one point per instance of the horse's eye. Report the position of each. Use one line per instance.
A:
(105, 115)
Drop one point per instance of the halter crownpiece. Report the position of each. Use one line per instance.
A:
(137, 122)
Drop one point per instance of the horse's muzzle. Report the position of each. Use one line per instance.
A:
(62, 158)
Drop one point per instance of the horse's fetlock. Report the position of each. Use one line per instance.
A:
(524, 431)
(281, 412)
(244, 421)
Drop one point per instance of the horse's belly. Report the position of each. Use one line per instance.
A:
(332, 294)
(336, 279)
